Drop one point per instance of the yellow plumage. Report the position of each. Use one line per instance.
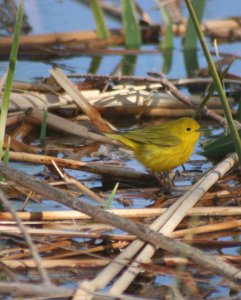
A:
(162, 147)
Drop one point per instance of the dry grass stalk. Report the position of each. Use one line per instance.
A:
(26, 252)
(46, 160)
(35, 116)
(207, 228)
(56, 263)
(216, 211)
(36, 258)
(24, 100)
(78, 184)
(81, 101)
(72, 253)
(50, 232)
(26, 200)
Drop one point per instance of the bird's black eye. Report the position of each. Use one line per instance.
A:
(188, 129)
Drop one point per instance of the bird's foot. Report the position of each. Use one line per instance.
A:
(166, 179)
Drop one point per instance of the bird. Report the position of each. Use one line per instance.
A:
(162, 147)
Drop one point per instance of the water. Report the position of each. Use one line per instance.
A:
(48, 16)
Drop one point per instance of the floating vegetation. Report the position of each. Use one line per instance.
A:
(80, 217)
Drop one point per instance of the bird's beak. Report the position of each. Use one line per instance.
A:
(201, 130)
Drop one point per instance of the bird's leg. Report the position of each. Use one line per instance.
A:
(166, 180)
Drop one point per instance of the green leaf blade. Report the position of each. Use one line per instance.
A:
(10, 74)
(102, 30)
(220, 148)
(131, 26)
(112, 196)
(191, 38)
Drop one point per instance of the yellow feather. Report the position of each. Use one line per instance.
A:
(162, 147)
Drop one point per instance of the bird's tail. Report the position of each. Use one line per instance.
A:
(125, 141)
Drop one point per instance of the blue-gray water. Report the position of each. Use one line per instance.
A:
(48, 16)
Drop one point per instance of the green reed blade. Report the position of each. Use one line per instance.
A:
(10, 74)
(102, 30)
(43, 129)
(131, 26)
(191, 38)
(217, 81)
(112, 196)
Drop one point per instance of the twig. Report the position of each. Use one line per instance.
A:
(36, 257)
(78, 184)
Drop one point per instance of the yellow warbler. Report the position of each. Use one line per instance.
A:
(162, 147)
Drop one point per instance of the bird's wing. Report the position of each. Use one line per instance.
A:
(153, 136)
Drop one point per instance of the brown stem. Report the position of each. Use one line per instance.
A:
(156, 239)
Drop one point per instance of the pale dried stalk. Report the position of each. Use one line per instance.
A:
(165, 224)
(49, 232)
(11, 255)
(36, 258)
(216, 211)
(56, 263)
(63, 125)
(207, 228)
(78, 184)
(6, 229)
(45, 159)
(81, 101)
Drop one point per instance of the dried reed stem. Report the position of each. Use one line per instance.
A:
(36, 257)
